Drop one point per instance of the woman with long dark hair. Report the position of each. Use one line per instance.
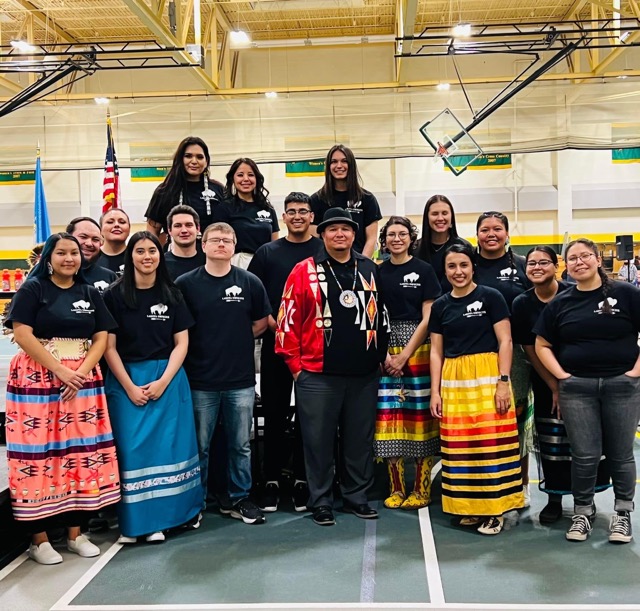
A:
(471, 395)
(188, 182)
(149, 396)
(60, 448)
(587, 338)
(251, 214)
(343, 189)
(553, 444)
(439, 231)
(502, 269)
(405, 427)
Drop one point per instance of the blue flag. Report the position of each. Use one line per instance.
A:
(42, 229)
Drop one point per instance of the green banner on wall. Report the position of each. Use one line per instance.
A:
(148, 174)
(625, 155)
(17, 178)
(483, 162)
(314, 167)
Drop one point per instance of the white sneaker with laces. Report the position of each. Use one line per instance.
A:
(127, 540)
(44, 554)
(157, 537)
(83, 547)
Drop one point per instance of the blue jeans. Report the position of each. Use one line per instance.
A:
(601, 416)
(236, 407)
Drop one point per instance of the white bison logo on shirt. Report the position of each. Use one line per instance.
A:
(412, 277)
(507, 272)
(159, 309)
(233, 291)
(81, 305)
(611, 301)
(264, 214)
(474, 307)
(101, 285)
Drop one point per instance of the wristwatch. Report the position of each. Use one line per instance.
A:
(504, 378)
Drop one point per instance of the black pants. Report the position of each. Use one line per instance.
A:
(68, 519)
(327, 403)
(276, 385)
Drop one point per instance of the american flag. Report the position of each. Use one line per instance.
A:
(111, 182)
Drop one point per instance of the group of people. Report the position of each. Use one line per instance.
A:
(440, 350)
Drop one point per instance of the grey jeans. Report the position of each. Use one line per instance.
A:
(601, 417)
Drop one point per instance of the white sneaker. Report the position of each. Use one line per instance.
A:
(44, 554)
(527, 495)
(157, 537)
(83, 547)
(127, 540)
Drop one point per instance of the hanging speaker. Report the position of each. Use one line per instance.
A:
(624, 247)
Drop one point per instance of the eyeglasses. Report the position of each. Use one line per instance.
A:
(584, 257)
(225, 241)
(301, 212)
(543, 264)
(403, 235)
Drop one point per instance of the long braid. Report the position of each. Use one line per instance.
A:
(606, 285)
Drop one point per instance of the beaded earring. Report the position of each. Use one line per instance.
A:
(49, 268)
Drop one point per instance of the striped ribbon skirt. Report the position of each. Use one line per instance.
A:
(158, 452)
(61, 456)
(480, 454)
(404, 425)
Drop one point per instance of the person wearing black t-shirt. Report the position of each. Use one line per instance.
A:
(251, 215)
(230, 308)
(183, 224)
(342, 189)
(555, 452)
(500, 268)
(87, 231)
(587, 338)
(115, 227)
(188, 183)
(149, 397)
(471, 395)
(333, 334)
(438, 233)
(273, 263)
(405, 427)
(60, 448)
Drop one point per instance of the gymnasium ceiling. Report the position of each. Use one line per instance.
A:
(282, 23)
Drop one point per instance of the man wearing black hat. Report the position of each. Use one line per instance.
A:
(332, 332)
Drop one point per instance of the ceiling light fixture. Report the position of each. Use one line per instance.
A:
(239, 38)
(22, 46)
(271, 95)
(624, 36)
(101, 100)
(461, 30)
(443, 86)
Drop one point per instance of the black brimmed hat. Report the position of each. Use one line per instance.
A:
(334, 216)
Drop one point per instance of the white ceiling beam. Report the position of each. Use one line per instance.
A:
(187, 14)
(47, 22)
(164, 36)
(608, 6)
(406, 11)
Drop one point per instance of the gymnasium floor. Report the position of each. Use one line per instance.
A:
(401, 561)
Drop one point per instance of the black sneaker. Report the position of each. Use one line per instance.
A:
(245, 510)
(300, 496)
(193, 523)
(580, 528)
(270, 497)
(620, 528)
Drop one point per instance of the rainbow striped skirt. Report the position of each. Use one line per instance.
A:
(480, 453)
